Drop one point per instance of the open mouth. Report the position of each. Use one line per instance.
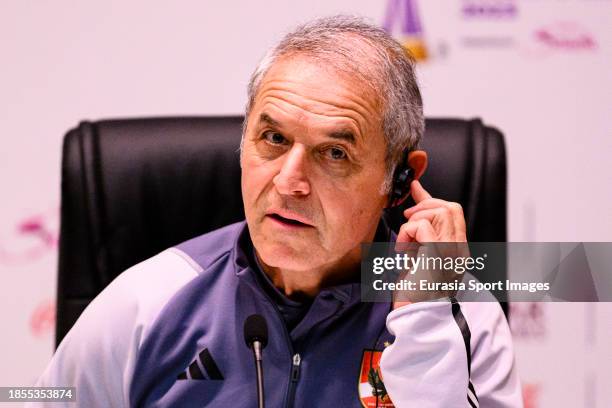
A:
(288, 221)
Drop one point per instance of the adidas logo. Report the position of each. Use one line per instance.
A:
(202, 368)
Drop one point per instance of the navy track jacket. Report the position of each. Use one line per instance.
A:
(169, 332)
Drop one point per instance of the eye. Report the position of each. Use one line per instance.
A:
(274, 138)
(335, 153)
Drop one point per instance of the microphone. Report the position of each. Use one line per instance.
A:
(256, 338)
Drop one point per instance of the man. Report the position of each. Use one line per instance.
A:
(331, 111)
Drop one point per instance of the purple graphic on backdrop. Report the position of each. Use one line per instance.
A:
(403, 22)
(404, 12)
(489, 8)
(31, 238)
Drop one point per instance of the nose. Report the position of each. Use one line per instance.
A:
(292, 178)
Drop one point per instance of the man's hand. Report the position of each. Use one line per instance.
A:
(432, 221)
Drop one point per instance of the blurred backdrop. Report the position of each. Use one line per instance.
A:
(539, 70)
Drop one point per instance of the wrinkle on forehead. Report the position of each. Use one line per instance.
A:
(309, 113)
(320, 91)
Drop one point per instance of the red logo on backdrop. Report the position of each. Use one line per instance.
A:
(31, 239)
(372, 391)
(42, 319)
(565, 35)
(531, 395)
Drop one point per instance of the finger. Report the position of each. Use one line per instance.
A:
(442, 221)
(455, 209)
(459, 221)
(417, 231)
(418, 192)
(427, 204)
(459, 231)
(429, 214)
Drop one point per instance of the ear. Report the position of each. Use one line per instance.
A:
(417, 161)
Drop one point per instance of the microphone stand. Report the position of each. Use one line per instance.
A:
(256, 338)
(259, 368)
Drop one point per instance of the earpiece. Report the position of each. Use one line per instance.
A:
(402, 177)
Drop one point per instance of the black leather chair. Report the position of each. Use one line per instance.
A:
(133, 187)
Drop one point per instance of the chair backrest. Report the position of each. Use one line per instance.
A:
(133, 187)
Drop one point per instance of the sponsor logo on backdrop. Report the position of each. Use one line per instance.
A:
(566, 36)
(489, 8)
(42, 319)
(496, 36)
(490, 41)
(562, 37)
(531, 395)
(403, 22)
(528, 320)
(30, 239)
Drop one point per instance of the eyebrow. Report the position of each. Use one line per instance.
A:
(342, 134)
(264, 117)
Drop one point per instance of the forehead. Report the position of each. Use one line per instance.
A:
(303, 87)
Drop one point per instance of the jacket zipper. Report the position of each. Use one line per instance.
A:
(295, 370)
(296, 359)
(295, 375)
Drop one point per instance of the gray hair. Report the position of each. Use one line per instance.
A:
(350, 44)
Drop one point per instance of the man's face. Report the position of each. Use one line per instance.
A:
(313, 163)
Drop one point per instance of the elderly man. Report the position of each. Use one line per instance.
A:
(331, 111)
